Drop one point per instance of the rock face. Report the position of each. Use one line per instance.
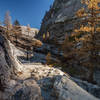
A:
(93, 89)
(32, 33)
(68, 90)
(27, 90)
(21, 90)
(6, 63)
(59, 19)
(11, 88)
(19, 81)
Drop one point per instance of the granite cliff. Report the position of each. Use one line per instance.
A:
(59, 20)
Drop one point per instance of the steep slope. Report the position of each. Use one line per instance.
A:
(6, 63)
(11, 88)
(59, 19)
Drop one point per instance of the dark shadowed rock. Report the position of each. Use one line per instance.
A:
(28, 90)
(6, 63)
(10, 86)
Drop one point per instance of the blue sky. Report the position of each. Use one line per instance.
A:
(26, 11)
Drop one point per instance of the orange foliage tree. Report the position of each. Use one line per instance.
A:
(87, 31)
(48, 58)
(16, 30)
(7, 23)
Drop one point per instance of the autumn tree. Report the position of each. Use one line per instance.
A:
(16, 30)
(7, 20)
(87, 31)
(7, 23)
(44, 37)
(48, 58)
(68, 49)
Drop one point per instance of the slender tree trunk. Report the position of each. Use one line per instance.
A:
(27, 54)
(16, 40)
(91, 75)
(33, 51)
(28, 33)
(92, 67)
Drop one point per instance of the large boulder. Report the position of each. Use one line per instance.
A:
(27, 90)
(66, 89)
(21, 90)
(32, 33)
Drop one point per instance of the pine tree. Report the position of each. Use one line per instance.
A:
(16, 23)
(87, 32)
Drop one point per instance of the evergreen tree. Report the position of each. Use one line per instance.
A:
(16, 23)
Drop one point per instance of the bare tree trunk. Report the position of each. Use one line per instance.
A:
(91, 75)
(27, 54)
(16, 40)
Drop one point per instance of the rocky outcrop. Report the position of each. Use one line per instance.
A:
(21, 90)
(11, 88)
(59, 20)
(26, 90)
(91, 88)
(34, 81)
(68, 90)
(6, 63)
(32, 33)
